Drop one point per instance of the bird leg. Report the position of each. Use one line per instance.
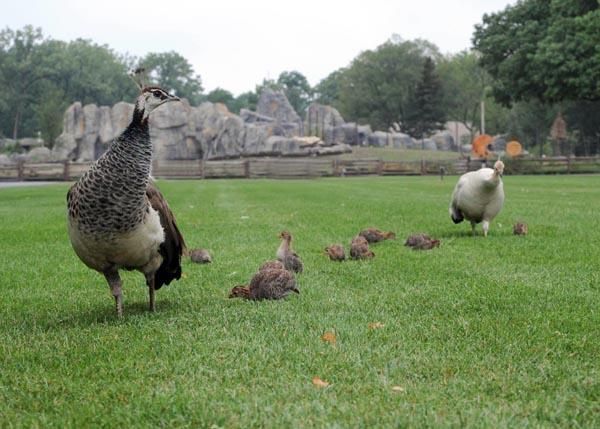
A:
(151, 290)
(473, 224)
(486, 226)
(114, 281)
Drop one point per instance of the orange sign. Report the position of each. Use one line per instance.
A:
(513, 148)
(480, 146)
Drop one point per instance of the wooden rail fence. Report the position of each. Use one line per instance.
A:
(303, 168)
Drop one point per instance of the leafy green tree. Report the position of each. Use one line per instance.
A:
(464, 84)
(426, 114)
(296, 89)
(19, 54)
(327, 91)
(542, 49)
(220, 95)
(40, 77)
(378, 85)
(247, 100)
(91, 73)
(49, 111)
(173, 72)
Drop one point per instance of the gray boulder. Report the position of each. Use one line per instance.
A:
(444, 141)
(336, 149)
(378, 139)
(325, 122)
(401, 141)
(39, 154)
(105, 131)
(364, 131)
(251, 117)
(29, 143)
(429, 144)
(8, 144)
(91, 127)
(274, 104)
(65, 147)
(120, 117)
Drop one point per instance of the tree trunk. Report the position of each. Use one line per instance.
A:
(16, 124)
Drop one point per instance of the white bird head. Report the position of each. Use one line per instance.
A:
(499, 168)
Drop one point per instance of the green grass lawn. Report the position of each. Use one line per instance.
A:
(495, 332)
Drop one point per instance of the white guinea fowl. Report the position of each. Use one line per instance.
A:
(478, 197)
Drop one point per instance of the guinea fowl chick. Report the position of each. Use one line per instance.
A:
(336, 252)
(359, 248)
(374, 235)
(267, 284)
(272, 265)
(421, 242)
(520, 228)
(285, 254)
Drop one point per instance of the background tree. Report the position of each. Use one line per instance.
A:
(378, 85)
(19, 53)
(327, 91)
(173, 72)
(464, 84)
(220, 95)
(542, 49)
(546, 51)
(247, 100)
(296, 89)
(426, 113)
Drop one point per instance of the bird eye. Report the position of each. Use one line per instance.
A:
(156, 93)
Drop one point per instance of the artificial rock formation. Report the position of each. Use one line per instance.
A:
(180, 131)
(210, 131)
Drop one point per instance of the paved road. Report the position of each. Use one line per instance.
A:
(15, 184)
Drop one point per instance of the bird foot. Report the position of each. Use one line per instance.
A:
(119, 306)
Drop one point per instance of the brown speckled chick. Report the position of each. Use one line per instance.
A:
(336, 252)
(360, 248)
(421, 242)
(285, 254)
(374, 235)
(267, 284)
(272, 265)
(200, 256)
(520, 228)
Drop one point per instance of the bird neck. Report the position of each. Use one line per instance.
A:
(284, 247)
(127, 163)
(134, 147)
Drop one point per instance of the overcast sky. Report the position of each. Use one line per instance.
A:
(234, 44)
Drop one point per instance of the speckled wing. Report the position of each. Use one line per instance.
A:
(173, 246)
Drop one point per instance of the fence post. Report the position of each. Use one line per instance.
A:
(379, 167)
(569, 165)
(247, 168)
(66, 170)
(20, 169)
(201, 166)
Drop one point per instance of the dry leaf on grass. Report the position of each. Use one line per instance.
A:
(398, 389)
(319, 383)
(376, 325)
(329, 337)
